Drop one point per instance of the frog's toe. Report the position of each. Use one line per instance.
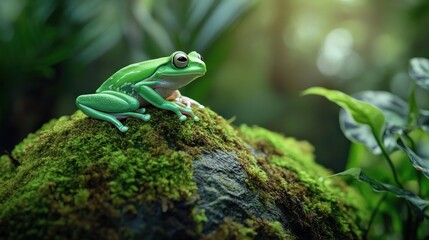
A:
(196, 119)
(182, 118)
(123, 128)
(146, 117)
(141, 110)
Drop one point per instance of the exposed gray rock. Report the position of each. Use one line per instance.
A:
(224, 193)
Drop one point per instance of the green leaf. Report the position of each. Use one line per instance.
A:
(154, 29)
(395, 113)
(183, 25)
(100, 27)
(223, 16)
(361, 112)
(377, 186)
(419, 163)
(419, 71)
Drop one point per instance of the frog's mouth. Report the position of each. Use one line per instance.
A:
(183, 74)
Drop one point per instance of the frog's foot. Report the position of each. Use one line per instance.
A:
(189, 112)
(188, 102)
(180, 110)
(183, 118)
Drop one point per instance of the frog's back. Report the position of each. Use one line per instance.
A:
(131, 74)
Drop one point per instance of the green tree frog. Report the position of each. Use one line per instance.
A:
(153, 82)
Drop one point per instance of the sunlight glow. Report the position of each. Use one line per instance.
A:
(336, 57)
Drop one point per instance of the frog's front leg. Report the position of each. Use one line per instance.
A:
(151, 96)
(179, 98)
(110, 105)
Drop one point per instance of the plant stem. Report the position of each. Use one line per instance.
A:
(411, 225)
(419, 181)
(373, 214)
(389, 160)
(411, 141)
(413, 111)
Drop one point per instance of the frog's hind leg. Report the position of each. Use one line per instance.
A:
(110, 105)
(102, 116)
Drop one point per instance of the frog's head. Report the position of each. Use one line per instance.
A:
(181, 69)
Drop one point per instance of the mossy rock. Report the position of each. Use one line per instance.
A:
(80, 178)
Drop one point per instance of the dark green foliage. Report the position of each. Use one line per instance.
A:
(402, 127)
(361, 111)
(377, 186)
(393, 108)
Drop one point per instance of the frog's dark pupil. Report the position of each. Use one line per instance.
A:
(182, 59)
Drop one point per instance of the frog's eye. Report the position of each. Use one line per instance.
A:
(180, 60)
(200, 57)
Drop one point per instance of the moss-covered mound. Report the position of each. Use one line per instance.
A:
(80, 178)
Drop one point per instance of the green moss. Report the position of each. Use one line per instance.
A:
(258, 173)
(293, 171)
(199, 216)
(277, 231)
(76, 166)
(7, 167)
(148, 163)
(81, 198)
(232, 230)
(250, 229)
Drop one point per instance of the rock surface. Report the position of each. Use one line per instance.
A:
(80, 178)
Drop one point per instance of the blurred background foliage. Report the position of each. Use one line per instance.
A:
(260, 56)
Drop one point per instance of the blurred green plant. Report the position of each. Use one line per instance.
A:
(388, 126)
(46, 47)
